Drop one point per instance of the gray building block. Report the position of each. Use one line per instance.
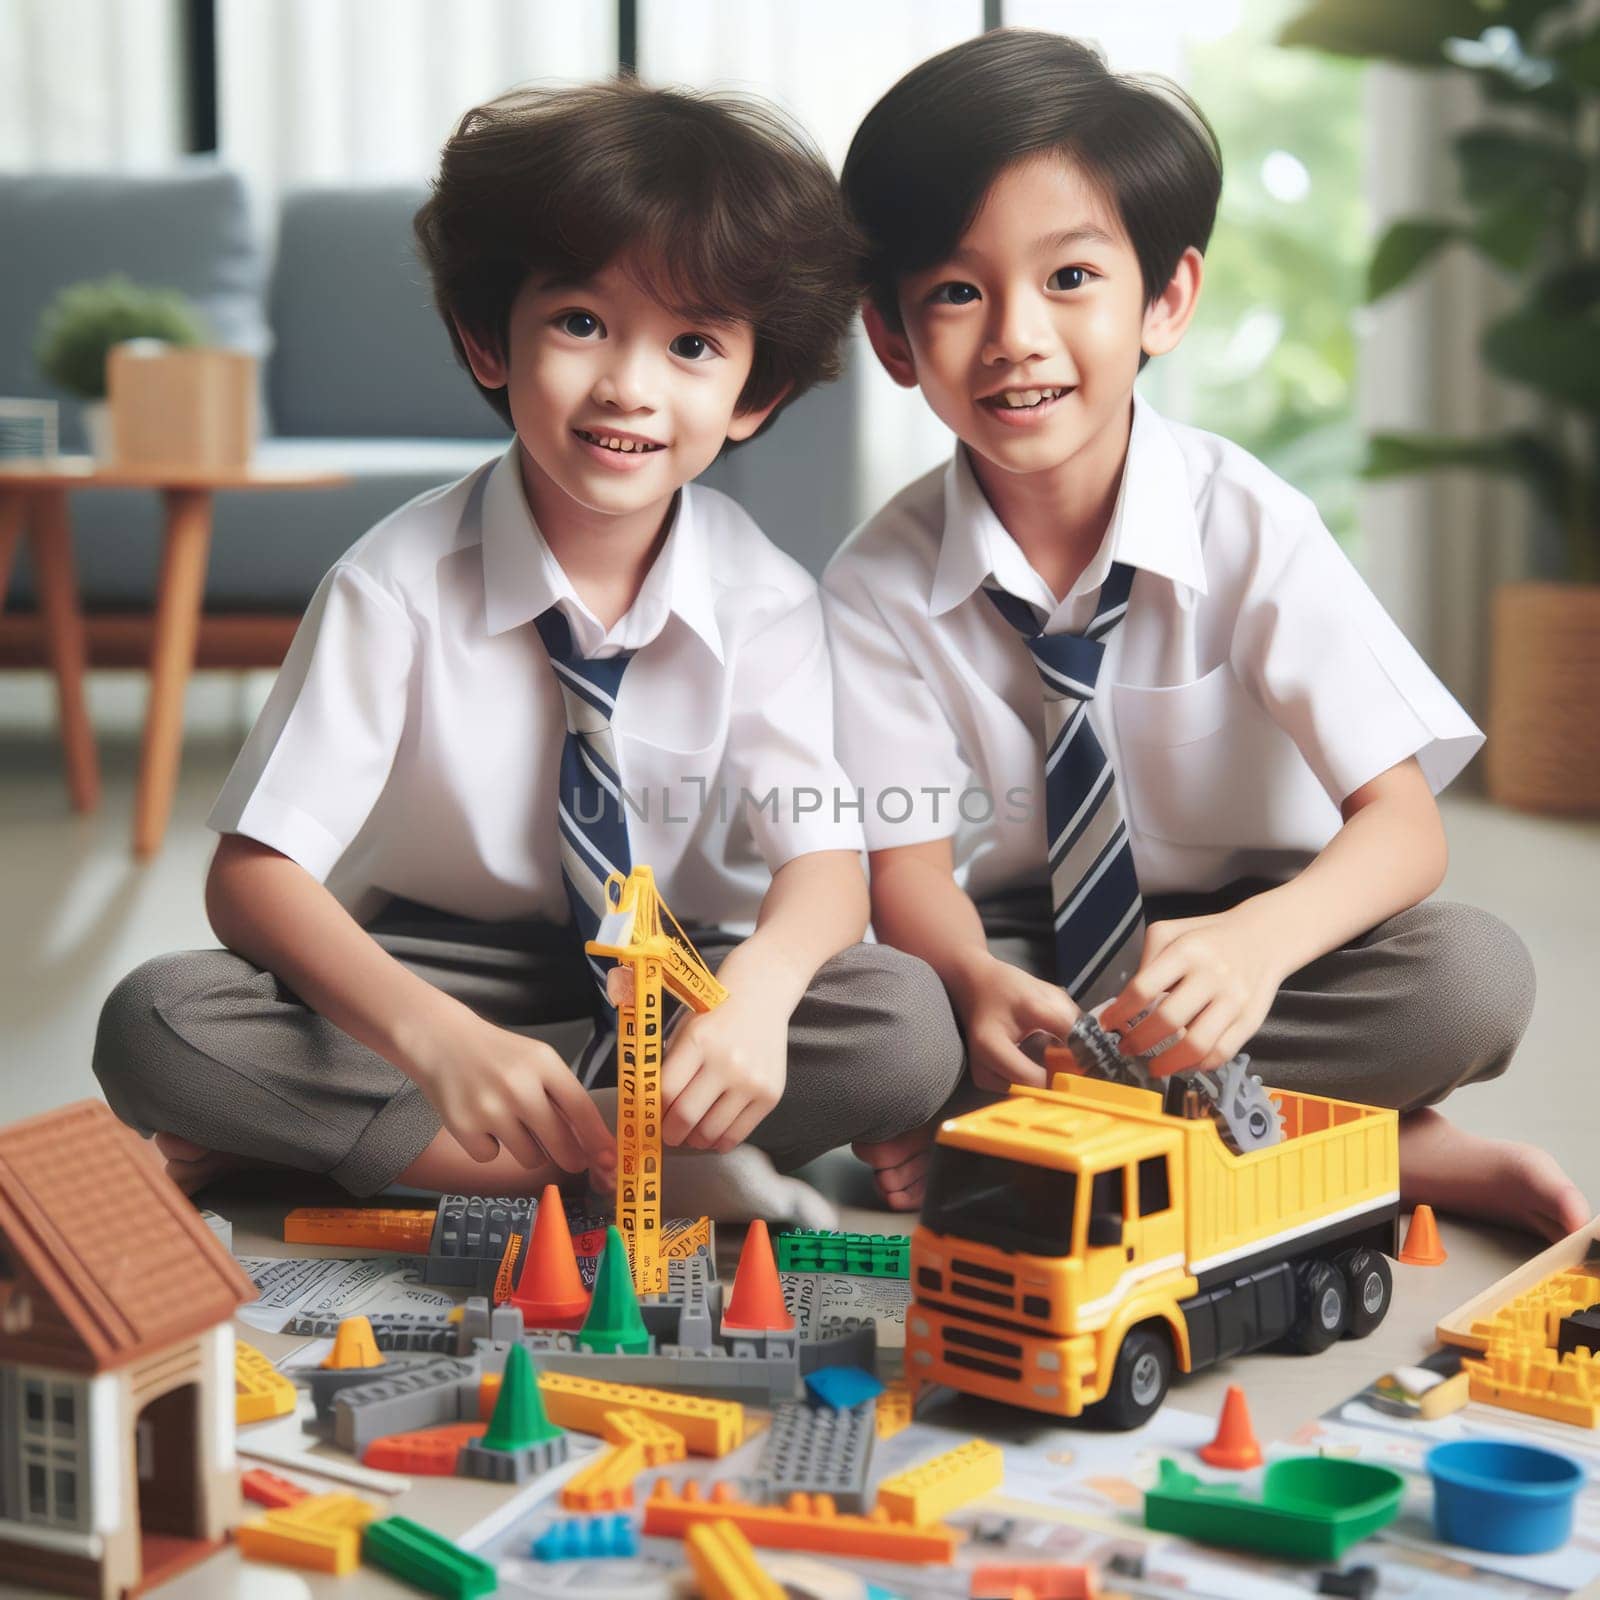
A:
(421, 1397)
(753, 1378)
(421, 1332)
(818, 1450)
(852, 1342)
(511, 1466)
(469, 1239)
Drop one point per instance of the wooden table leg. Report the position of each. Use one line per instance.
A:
(177, 627)
(50, 540)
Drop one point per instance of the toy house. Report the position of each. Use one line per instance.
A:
(117, 1463)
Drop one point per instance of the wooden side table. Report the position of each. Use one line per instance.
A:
(35, 493)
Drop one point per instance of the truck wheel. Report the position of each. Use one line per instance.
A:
(1138, 1381)
(1371, 1286)
(1323, 1311)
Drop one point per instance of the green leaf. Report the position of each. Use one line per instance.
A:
(1557, 355)
(1405, 248)
(1509, 234)
(1497, 165)
(1522, 455)
(1569, 289)
(1577, 58)
(1412, 32)
(84, 320)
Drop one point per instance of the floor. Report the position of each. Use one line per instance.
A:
(82, 913)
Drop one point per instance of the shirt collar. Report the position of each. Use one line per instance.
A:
(1153, 526)
(522, 579)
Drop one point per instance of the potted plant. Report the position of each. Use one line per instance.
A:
(79, 327)
(1530, 205)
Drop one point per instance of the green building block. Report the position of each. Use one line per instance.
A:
(613, 1325)
(860, 1255)
(425, 1558)
(519, 1418)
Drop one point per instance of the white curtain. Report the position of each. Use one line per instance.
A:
(89, 85)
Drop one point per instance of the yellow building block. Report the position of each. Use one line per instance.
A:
(660, 1443)
(366, 1227)
(892, 1410)
(725, 1564)
(934, 1489)
(1533, 1318)
(1538, 1382)
(259, 1389)
(606, 1484)
(321, 1533)
(683, 1236)
(709, 1427)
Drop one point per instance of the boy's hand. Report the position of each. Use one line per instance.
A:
(999, 1006)
(495, 1090)
(1209, 980)
(725, 1070)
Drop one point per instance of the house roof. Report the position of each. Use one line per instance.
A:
(110, 1240)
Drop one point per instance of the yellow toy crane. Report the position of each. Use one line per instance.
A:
(642, 936)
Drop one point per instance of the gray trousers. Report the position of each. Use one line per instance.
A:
(207, 1046)
(1431, 999)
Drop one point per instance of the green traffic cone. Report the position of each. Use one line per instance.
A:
(519, 1418)
(614, 1325)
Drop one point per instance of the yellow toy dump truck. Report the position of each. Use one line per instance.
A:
(1079, 1243)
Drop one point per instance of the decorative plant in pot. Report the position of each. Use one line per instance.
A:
(79, 327)
(1530, 205)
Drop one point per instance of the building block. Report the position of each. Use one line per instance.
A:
(804, 1522)
(320, 1533)
(843, 1387)
(685, 1236)
(268, 1489)
(426, 1559)
(417, 1398)
(725, 1566)
(606, 1484)
(891, 1413)
(817, 1450)
(935, 1488)
(857, 1255)
(363, 1227)
(1579, 1330)
(763, 1370)
(1539, 1382)
(426, 1453)
(709, 1427)
(1051, 1580)
(1235, 1447)
(549, 1291)
(757, 1304)
(614, 1324)
(354, 1347)
(661, 1445)
(519, 1416)
(259, 1389)
(511, 1466)
(506, 1277)
(423, 1332)
(588, 1539)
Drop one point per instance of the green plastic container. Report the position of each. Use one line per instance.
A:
(1312, 1508)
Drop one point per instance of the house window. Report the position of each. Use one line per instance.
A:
(50, 1447)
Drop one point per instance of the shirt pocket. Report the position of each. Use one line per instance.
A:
(1203, 765)
(671, 785)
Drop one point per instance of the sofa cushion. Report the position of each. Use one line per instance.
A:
(186, 229)
(360, 350)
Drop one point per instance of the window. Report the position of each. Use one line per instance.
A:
(1155, 1194)
(51, 1449)
(1108, 1195)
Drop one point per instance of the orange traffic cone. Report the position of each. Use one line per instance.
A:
(353, 1346)
(550, 1291)
(756, 1304)
(1422, 1247)
(1235, 1445)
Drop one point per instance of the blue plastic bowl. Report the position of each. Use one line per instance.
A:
(1514, 1499)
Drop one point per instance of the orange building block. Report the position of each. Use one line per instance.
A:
(321, 1533)
(268, 1489)
(725, 1567)
(606, 1484)
(1538, 1382)
(804, 1522)
(506, 1277)
(709, 1427)
(365, 1227)
(1047, 1581)
(427, 1453)
(661, 1444)
(892, 1410)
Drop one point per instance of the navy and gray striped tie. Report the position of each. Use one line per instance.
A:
(1094, 892)
(591, 817)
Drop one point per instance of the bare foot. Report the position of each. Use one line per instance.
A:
(1518, 1185)
(900, 1165)
(191, 1166)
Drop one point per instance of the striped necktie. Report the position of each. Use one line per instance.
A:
(591, 817)
(1094, 892)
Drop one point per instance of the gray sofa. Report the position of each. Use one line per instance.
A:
(357, 375)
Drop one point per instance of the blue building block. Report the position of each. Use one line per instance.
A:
(842, 1387)
(588, 1539)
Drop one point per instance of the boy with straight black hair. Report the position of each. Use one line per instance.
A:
(572, 661)
(1152, 744)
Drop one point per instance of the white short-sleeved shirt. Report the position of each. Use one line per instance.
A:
(412, 741)
(1253, 684)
